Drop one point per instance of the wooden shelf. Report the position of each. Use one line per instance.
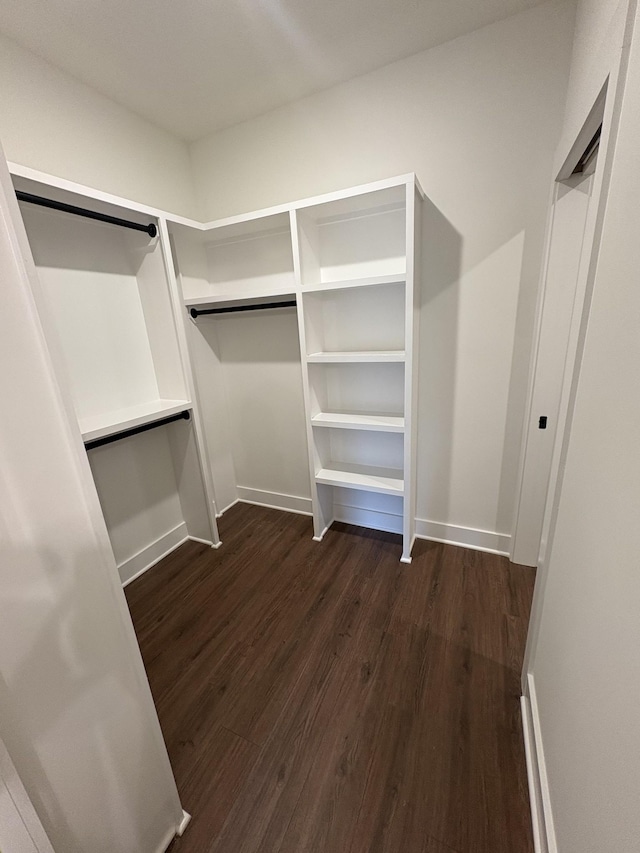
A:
(99, 426)
(345, 420)
(373, 356)
(371, 281)
(384, 481)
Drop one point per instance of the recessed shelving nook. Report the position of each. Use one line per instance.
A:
(359, 304)
(110, 314)
(302, 323)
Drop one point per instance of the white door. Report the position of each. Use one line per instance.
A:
(562, 305)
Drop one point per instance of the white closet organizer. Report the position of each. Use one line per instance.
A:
(109, 311)
(333, 358)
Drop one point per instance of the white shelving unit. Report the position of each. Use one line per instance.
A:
(348, 261)
(308, 408)
(109, 310)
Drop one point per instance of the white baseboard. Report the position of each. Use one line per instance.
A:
(464, 537)
(186, 818)
(222, 511)
(275, 500)
(203, 541)
(376, 519)
(544, 837)
(152, 554)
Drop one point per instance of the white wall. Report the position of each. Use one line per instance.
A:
(76, 712)
(478, 119)
(598, 34)
(584, 663)
(52, 122)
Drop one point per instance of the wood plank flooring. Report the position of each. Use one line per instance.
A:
(325, 698)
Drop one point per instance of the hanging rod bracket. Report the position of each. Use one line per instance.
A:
(230, 309)
(149, 229)
(127, 433)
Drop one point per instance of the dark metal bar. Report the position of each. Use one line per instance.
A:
(126, 433)
(588, 152)
(149, 229)
(196, 312)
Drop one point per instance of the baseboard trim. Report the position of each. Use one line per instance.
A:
(145, 559)
(222, 511)
(275, 500)
(464, 537)
(203, 541)
(544, 837)
(376, 519)
(184, 823)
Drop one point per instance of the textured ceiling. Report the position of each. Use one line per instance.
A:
(195, 66)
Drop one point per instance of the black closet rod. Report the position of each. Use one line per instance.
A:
(126, 433)
(196, 312)
(149, 229)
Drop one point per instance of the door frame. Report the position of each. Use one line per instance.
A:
(606, 108)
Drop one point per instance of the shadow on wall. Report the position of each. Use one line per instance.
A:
(440, 274)
(71, 717)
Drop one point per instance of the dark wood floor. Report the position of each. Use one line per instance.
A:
(324, 697)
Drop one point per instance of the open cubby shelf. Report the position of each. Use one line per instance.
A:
(347, 380)
(347, 420)
(384, 481)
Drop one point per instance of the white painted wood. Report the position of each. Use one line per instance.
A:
(321, 502)
(136, 483)
(184, 823)
(276, 500)
(250, 257)
(85, 747)
(357, 313)
(561, 305)
(99, 426)
(20, 828)
(541, 774)
(370, 281)
(144, 560)
(464, 537)
(358, 248)
(195, 454)
(533, 779)
(93, 297)
(371, 356)
(356, 319)
(110, 295)
(386, 481)
(226, 300)
(413, 238)
(346, 420)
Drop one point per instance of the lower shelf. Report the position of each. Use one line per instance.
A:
(384, 481)
(109, 423)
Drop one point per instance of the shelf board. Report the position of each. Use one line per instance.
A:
(344, 420)
(384, 481)
(370, 281)
(373, 356)
(99, 426)
(231, 299)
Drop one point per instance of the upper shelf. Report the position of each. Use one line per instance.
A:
(110, 423)
(368, 281)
